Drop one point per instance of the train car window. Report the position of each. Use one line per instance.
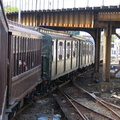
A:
(30, 50)
(68, 55)
(14, 56)
(19, 58)
(26, 50)
(60, 57)
(33, 54)
(20, 55)
(29, 55)
(14, 44)
(68, 43)
(26, 54)
(68, 50)
(60, 50)
(60, 44)
(53, 49)
(17, 50)
(90, 49)
(74, 49)
(83, 48)
(87, 48)
(35, 61)
(37, 52)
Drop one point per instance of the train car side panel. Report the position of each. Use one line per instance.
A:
(3, 60)
(24, 84)
(25, 63)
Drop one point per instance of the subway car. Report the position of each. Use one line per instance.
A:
(63, 54)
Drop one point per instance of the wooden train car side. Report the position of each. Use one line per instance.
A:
(25, 65)
(3, 60)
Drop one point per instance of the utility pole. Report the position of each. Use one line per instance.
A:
(74, 3)
(36, 4)
(57, 4)
(40, 5)
(48, 4)
(63, 4)
(43, 4)
(52, 4)
(19, 12)
(103, 3)
(87, 3)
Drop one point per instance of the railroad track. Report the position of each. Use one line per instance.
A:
(21, 110)
(79, 104)
(31, 103)
(113, 109)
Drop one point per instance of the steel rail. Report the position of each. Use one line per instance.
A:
(21, 110)
(110, 104)
(110, 118)
(79, 112)
(98, 100)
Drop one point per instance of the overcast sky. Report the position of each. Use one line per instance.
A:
(67, 3)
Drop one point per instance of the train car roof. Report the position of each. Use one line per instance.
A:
(3, 17)
(90, 40)
(79, 38)
(50, 31)
(19, 29)
(59, 34)
(56, 34)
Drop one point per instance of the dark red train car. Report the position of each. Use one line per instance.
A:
(24, 48)
(3, 60)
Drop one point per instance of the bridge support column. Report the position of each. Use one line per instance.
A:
(97, 50)
(107, 53)
(97, 37)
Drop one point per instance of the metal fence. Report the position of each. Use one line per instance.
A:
(57, 4)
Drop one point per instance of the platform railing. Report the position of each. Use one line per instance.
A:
(28, 5)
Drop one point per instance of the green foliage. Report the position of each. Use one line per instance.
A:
(113, 38)
(10, 9)
(73, 32)
(102, 37)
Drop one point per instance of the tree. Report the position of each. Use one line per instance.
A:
(74, 32)
(113, 38)
(10, 9)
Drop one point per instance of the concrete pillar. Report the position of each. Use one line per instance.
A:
(107, 53)
(97, 50)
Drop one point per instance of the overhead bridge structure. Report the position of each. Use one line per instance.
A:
(89, 19)
(77, 17)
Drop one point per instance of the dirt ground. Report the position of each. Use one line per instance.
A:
(46, 105)
(43, 107)
(111, 93)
